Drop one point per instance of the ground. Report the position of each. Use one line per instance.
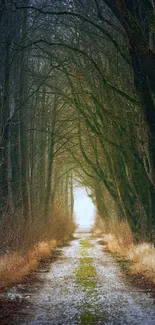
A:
(83, 285)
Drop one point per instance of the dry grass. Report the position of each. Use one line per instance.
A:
(62, 222)
(120, 242)
(23, 246)
(18, 235)
(14, 267)
(143, 258)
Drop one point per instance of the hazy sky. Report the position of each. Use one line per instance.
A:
(84, 209)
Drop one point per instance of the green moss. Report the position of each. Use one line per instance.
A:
(87, 318)
(86, 259)
(90, 284)
(85, 271)
(83, 252)
(86, 243)
(86, 277)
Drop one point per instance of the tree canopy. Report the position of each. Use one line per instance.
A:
(77, 99)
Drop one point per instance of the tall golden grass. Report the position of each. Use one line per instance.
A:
(143, 258)
(23, 246)
(14, 267)
(119, 240)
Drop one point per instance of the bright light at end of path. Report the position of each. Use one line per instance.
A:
(84, 209)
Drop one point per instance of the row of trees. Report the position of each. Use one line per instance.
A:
(77, 100)
(34, 128)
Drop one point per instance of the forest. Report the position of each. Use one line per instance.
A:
(77, 102)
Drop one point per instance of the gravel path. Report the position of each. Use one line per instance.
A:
(55, 297)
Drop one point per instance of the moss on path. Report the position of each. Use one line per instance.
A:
(86, 277)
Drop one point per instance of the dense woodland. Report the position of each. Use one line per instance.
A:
(77, 101)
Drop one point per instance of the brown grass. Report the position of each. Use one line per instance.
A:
(120, 242)
(14, 267)
(118, 237)
(143, 258)
(19, 235)
(23, 246)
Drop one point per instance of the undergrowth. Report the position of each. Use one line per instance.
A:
(14, 267)
(120, 242)
(22, 247)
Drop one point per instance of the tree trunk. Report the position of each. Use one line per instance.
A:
(22, 132)
(49, 175)
(134, 17)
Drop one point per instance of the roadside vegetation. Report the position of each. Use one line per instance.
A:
(22, 259)
(120, 242)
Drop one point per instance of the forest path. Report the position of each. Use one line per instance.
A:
(83, 285)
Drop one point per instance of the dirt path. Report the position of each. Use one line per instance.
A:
(84, 285)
